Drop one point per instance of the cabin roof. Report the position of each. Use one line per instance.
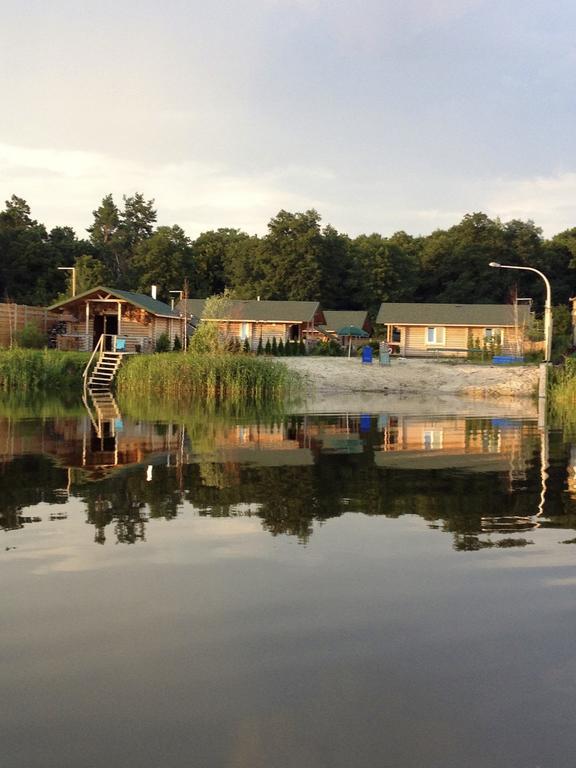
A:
(141, 300)
(340, 318)
(255, 311)
(489, 315)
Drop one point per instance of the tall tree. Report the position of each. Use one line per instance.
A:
(163, 259)
(290, 257)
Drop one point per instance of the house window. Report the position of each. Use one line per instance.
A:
(493, 335)
(435, 335)
(245, 331)
(432, 439)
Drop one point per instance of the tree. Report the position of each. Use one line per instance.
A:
(386, 272)
(290, 257)
(163, 259)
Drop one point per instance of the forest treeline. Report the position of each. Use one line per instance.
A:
(299, 258)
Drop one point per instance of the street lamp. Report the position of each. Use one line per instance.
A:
(547, 306)
(184, 334)
(73, 270)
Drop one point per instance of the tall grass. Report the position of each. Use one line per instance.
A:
(211, 378)
(35, 370)
(563, 394)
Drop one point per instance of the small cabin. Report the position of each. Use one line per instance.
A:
(255, 320)
(419, 330)
(138, 320)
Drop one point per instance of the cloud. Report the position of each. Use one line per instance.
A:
(548, 200)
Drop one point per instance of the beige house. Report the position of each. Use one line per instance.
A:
(452, 329)
(256, 320)
(136, 319)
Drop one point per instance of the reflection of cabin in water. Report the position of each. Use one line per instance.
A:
(136, 317)
(74, 443)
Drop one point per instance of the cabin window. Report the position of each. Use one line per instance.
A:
(435, 335)
(432, 439)
(493, 335)
(245, 331)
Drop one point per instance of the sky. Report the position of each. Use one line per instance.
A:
(382, 114)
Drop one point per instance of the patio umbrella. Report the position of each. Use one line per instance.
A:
(350, 331)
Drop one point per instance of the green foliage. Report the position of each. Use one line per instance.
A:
(31, 337)
(207, 339)
(563, 393)
(163, 343)
(246, 346)
(164, 259)
(268, 348)
(209, 377)
(274, 347)
(260, 348)
(301, 347)
(280, 351)
(177, 347)
(328, 349)
(27, 370)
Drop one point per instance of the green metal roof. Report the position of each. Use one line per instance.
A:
(257, 311)
(141, 300)
(488, 315)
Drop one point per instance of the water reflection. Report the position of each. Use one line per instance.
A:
(469, 476)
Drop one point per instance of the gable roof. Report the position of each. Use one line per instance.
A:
(452, 314)
(340, 318)
(141, 300)
(257, 311)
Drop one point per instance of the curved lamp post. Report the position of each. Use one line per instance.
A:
(547, 306)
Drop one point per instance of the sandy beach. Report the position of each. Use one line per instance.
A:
(332, 379)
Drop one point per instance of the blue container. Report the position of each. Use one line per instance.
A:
(367, 355)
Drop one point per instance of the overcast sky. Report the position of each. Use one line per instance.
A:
(381, 114)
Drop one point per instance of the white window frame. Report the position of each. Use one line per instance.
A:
(433, 439)
(439, 339)
(245, 331)
(492, 337)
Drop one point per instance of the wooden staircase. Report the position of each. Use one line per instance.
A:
(104, 371)
(105, 406)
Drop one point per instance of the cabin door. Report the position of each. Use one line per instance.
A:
(107, 324)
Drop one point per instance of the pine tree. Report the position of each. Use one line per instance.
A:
(274, 347)
(268, 348)
(260, 348)
(246, 346)
(281, 350)
(301, 347)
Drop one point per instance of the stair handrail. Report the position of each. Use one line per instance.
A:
(98, 348)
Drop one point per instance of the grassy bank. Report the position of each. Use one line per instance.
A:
(563, 393)
(234, 379)
(40, 370)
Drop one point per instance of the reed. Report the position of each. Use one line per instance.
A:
(35, 370)
(209, 378)
(563, 395)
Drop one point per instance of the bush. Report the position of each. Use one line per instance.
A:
(268, 348)
(281, 349)
(246, 347)
(31, 337)
(260, 348)
(301, 347)
(177, 344)
(163, 343)
(274, 347)
(328, 349)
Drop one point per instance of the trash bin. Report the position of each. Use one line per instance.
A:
(367, 355)
(384, 354)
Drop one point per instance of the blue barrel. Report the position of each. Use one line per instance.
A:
(367, 355)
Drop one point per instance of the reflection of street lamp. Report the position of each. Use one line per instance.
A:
(73, 270)
(547, 306)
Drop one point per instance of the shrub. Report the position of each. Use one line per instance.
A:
(268, 348)
(31, 337)
(246, 346)
(281, 349)
(274, 347)
(163, 343)
(301, 347)
(177, 344)
(260, 348)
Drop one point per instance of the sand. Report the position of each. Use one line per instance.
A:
(449, 387)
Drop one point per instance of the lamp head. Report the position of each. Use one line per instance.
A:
(494, 264)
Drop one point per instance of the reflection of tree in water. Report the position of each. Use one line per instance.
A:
(25, 482)
(290, 499)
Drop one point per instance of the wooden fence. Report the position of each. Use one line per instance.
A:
(13, 318)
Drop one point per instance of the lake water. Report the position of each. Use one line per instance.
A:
(304, 591)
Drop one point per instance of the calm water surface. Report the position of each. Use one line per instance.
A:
(354, 590)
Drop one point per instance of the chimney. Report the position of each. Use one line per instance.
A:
(153, 291)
